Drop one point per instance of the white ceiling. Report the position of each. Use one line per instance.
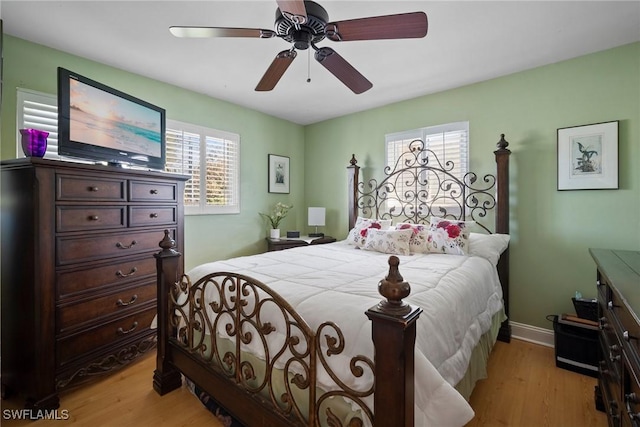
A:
(467, 42)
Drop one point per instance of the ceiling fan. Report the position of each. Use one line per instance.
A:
(304, 23)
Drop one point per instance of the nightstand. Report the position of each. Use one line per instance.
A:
(285, 243)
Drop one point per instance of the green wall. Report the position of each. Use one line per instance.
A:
(207, 237)
(551, 230)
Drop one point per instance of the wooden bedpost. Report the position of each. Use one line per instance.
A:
(166, 377)
(394, 335)
(353, 172)
(502, 226)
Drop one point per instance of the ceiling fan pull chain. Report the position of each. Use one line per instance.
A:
(308, 65)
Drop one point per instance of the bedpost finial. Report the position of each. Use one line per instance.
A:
(394, 289)
(167, 243)
(353, 160)
(503, 143)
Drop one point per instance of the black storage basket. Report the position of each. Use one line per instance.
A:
(586, 309)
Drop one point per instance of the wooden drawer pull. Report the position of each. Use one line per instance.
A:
(153, 215)
(93, 189)
(153, 191)
(121, 246)
(131, 272)
(121, 303)
(93, 217)
(128, 331)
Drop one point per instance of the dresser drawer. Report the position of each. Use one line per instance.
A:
(85, 218)
(152, 215)
(110, 333)
(90, 188)
(151, 191)
(92, 248)
(92, 309)
(632, 392)
(91, 278)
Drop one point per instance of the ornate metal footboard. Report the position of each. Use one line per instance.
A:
(247, 347)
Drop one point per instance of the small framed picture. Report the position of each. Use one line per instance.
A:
(278, 174)
(588, 157)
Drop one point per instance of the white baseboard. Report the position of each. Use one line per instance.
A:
(532, 334)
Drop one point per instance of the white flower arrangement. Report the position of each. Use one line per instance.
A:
(278, 213)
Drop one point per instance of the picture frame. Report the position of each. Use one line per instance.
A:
(588, 157)
(278, 174)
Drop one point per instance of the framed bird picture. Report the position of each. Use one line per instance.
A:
(588, 157)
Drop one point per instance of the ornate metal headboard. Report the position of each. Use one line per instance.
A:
(420, 185)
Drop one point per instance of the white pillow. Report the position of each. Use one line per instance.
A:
(488, 246)
(358, 234)
(448, 236)
(418, 242)
(388, 241)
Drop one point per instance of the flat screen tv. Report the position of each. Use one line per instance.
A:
(97, 122)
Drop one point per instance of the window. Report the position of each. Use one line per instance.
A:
(37, 110)
(211, 157)
(449, 142)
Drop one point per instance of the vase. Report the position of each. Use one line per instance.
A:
(34, 142)
(274, 233)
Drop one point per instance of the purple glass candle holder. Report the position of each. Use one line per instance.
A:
(34, 142)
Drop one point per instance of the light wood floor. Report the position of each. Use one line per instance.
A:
(524, 389)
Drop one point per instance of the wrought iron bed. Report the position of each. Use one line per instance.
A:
(245, 386)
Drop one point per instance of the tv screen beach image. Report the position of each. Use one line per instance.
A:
(106, 120)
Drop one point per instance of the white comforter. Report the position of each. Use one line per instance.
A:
(337, 282)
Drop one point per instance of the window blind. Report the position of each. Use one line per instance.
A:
(449, 142)
(212, 159)
(39, 111)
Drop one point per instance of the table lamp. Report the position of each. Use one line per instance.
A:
(316, 219)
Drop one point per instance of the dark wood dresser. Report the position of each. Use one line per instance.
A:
(78, 272)
(618, 284)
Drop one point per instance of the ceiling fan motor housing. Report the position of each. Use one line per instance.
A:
(312, 31)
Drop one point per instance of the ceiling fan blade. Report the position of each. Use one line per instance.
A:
(199, 32)
(344, 71)
(293, 10)
(401, 26)
(275, 71)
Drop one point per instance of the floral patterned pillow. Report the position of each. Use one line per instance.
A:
(418, 242)
(388, 241)
(358, 234)
(448, 236)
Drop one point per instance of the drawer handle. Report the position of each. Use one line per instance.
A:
(153, 215)
(121, 303)
(626, 336)
(131, 272)
(631, 399)
(153, 191)
(93, 189)
(121, 246)
(93, 217)
(128, 331)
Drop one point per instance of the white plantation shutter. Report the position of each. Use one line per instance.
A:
(212, 158)
(450, 142)
(38, 110)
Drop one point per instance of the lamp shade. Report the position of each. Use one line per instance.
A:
(316, 216)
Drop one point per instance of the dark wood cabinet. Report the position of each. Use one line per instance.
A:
(618, 281)
(78, 272)
(281, 244)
